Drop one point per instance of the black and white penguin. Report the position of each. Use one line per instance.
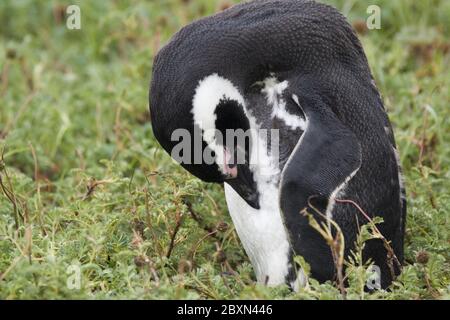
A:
(297, 67)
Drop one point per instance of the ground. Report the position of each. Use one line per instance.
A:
(90, 205)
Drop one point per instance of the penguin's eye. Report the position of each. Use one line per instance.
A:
(233, 125)
(230, 115)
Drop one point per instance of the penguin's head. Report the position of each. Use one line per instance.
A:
(198, 86)
(218, 110)
(204, 127)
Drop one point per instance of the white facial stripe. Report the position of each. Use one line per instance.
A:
(273, 91)
(208, 94)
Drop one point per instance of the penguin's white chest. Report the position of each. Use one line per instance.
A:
(262, 234)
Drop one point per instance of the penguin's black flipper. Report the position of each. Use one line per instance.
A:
(325, 158)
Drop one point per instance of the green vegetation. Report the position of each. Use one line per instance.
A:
(84, 182)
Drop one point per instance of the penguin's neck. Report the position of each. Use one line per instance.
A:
(262, 231)
(262, 234)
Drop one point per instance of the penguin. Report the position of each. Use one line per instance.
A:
(295, 70)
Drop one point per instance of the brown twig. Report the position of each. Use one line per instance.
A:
(201, 291)
(434, 293)
(391, 257)
(178, 220)
(336, 243)
(198, 219)
(211, 232)
(194, 250)
(8, 191)
(38, 185)
(92, 185)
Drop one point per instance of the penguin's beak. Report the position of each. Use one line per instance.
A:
(239, 176)
(248, 189)
(244, 184)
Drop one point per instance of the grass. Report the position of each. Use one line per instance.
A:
(87, 190)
